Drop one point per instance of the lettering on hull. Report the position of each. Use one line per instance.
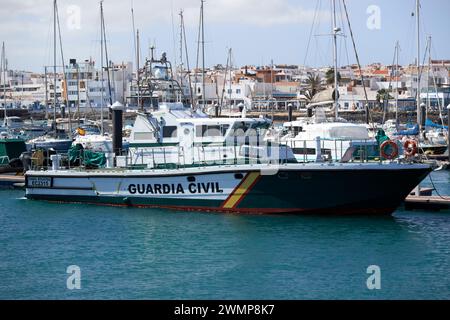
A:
(176, 189)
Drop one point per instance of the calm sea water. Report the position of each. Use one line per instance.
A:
(156, 254)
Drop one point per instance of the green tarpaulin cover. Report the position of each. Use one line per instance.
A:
(79, 156)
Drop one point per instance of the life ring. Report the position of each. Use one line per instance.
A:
(410, 148)
(389, 145)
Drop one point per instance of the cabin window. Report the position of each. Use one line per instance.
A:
(143, 136)
(297, 130)
(170, 132)
(199, 131)
(224, 129)
(211, 131)
(214, 131)
(240, 128)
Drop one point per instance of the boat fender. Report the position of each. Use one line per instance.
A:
(389, 150)
(410, 147)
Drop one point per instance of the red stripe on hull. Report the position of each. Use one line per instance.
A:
(253, 211)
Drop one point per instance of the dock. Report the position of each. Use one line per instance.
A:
(433, 203)
(12, 181)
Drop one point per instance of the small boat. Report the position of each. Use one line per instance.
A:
(340, 140)
(90, 138)
(58, 142)
(11, 149)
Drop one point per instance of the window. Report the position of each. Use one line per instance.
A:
(238, 91)
(214, 131)
(297, 130)
(199, 131)
(143, 136)
(225, 128)
(170, 132)
(240, 128)
(211, 131)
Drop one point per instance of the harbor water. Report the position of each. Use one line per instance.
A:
(127, 253)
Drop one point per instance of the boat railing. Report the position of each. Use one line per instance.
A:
(335, 150)
(199, 155)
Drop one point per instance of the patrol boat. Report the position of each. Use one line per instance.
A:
(253, 178)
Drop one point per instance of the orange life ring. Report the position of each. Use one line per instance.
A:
(384, 150)
(410, 148)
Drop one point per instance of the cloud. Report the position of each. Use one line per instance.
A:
(245, 12)
(26, 25)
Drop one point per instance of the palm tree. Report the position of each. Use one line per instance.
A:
(329, 76)
(314, 85)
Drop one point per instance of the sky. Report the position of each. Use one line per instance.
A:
(258, 31)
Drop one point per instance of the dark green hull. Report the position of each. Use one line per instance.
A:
(374, 191)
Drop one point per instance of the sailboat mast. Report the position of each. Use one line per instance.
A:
(101, 74)
(188, 68)
(65, 97)
(336, 88)
(419, 117)
(136, 48)
(230, 67)
(397, 49)
(138, 62)
(4, 82)
(428, 77)
(203, 54)
(181, 48)
(46, 92)
(55, 100)
(108, 63)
